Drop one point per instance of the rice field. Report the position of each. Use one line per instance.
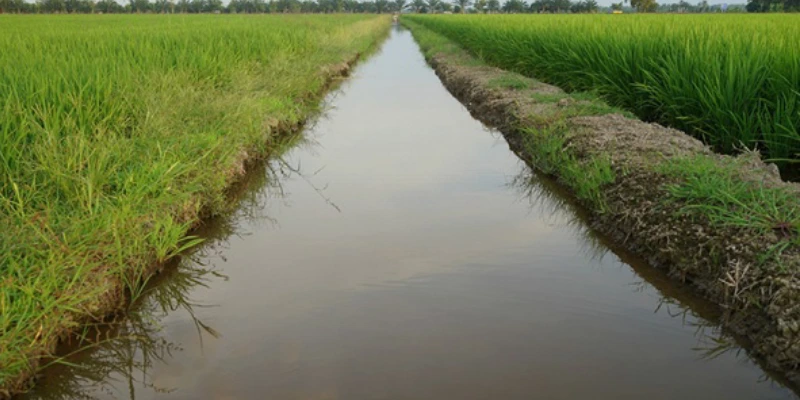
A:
(117, 132)
(732, 80)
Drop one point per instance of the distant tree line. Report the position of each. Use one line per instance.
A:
(702, 7)
(295, 6)
(375, 6)
(760, 6)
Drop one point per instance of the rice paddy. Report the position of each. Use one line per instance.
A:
(118, 132)
(732, 80)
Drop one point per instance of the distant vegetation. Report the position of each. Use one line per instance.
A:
(202, 6)
(773, 6)
(381, 6)
(732, 81)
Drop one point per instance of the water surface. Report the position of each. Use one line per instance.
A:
(403, 252)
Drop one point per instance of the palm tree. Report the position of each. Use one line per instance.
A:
(418, 5)
(433, 6)
(399, 5)
(463, 4)
(162, 6)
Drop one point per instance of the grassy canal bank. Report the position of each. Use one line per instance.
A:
(727, 226)
(730, 80)
(118, 136)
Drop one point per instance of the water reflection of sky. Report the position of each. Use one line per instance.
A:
(414, 257)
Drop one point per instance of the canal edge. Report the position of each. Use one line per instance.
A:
(626, 172)
(115, 292)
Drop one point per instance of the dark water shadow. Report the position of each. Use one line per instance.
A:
(125, 348)
(121, 351)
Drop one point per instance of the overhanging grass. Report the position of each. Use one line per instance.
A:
(711, 188)
(117, 131)
(586, 177)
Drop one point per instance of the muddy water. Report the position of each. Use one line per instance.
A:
(403, 252)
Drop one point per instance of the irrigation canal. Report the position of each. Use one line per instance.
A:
(403, 252)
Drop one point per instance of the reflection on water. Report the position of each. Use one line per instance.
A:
(402, 251)
(544, 195)
(121, 354)
(115, 358)
(556, 207)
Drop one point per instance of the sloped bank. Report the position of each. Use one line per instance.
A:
(107, 291)
(727, 226)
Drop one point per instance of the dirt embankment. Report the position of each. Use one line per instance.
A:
(725, 225)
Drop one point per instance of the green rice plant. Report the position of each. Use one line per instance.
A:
(732, 80)
(116, 132)
(587, 178)
(510, 81)
(711, 188)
